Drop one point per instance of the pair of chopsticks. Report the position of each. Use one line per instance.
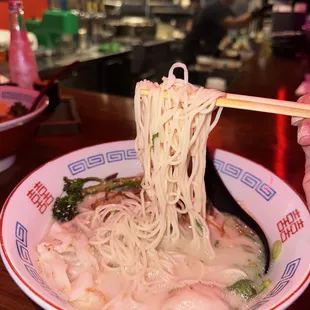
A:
(258, 104)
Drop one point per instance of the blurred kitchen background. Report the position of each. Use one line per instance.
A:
(122, 42)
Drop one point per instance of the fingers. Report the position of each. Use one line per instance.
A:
(296, 121)
(303, 133)
(303, 138)
(306, 180)
(304, 99)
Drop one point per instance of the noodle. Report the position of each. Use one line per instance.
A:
(181, 124)
(171, 133)
(141, 238)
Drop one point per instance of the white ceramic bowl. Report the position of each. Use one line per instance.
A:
(26, 216)
(16, 133)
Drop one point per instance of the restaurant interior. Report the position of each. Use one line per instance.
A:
(87, 56)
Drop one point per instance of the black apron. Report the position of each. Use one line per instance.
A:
(206, 33)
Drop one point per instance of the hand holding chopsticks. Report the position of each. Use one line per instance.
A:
(258, 104)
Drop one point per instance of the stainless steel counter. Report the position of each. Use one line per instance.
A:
(54, 62)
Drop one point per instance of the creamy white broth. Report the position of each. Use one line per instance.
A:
(154, 247)
(87, 285)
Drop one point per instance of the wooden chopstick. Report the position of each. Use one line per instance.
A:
(290, 110)
(258, 104)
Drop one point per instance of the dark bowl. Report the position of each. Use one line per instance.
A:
(16, 133)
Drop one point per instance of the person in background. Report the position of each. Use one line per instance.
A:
(210, 26)
(303, 138)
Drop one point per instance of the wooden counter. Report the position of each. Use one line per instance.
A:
(264, 138)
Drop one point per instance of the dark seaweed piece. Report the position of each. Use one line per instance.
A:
(219, 196)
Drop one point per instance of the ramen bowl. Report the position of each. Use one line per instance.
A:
(274, 205)
(16, 133)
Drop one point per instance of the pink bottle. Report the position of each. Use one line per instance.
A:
(22, 62)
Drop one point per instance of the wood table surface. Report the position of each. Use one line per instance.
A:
(264, 138)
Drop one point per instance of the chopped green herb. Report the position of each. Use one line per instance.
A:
(264, 285)
(199, 227)
(260, 288)
(244, 288)
(154, 137)
(276, 249)
(267, 283)
(216, 243)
